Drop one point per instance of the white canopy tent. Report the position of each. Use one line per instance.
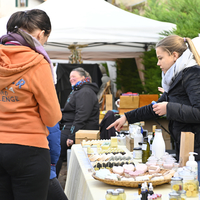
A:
(108, 31)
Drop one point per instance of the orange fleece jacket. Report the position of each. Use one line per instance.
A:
(28, 99)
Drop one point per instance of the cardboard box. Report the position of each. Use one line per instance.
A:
(129, 102)
(86, 135)
(123, 110)
(146, 99)
(125, 127)
(129, 143)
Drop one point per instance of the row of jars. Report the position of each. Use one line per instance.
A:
(184, 185)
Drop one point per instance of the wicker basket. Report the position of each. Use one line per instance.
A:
(133, 184)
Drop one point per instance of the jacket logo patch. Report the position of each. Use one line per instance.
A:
(11, 89)
(5, 98)
(72, 129)
(20, 83)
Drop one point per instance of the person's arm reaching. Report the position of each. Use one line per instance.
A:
(118, 124)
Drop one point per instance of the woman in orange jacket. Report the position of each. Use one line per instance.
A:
(28, 104)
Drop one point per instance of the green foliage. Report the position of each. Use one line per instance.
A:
(127, 76)
(106, 67)
(183, 13)
(152, 72)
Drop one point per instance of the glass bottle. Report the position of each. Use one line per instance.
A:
(122, 194)
(150, 189)
(139, 188)
(158, 145)
(138, 137)
(145, 150)
(151, 140)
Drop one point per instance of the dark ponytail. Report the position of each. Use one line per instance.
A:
(29, 20)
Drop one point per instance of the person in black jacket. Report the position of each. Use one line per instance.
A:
(180, 102)
(81, 110)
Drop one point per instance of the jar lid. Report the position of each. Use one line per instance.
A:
(137, 148)
(176, 179)
(109, 191)
(120, 190)
(182, 192)
(174, 194)
(115, 193)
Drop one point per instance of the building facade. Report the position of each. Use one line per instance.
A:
(7, 7)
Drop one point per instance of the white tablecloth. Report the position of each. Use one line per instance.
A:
(80, 185)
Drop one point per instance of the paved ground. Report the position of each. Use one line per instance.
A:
(63, 174)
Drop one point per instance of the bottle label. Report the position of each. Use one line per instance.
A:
(144, 147)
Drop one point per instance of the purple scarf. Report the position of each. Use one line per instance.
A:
(25, 39)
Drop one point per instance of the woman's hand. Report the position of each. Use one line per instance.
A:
(160, 108)
(118, 124)
(69, 142)
(160, 89)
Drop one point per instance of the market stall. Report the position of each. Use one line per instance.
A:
(81, 185)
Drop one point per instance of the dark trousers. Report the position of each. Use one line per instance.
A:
(55, 191)
(24, 172)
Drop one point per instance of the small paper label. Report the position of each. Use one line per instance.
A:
(144, 147)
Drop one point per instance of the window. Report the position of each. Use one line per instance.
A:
(21, 3)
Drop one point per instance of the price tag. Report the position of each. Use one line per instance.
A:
(144, 147)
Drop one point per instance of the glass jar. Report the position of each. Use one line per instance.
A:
(183, 195)
(190, 184)
(115, 195)
(137, 153)
(176, 184)
(109, 194)
(174, 196)
(122, 194)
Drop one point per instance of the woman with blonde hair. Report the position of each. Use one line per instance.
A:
(179, 61)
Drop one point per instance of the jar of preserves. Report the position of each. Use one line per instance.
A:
(115, 195)
(190, 184)
(137, 153)
(122, 194)
(109, 194)
(176, 184)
